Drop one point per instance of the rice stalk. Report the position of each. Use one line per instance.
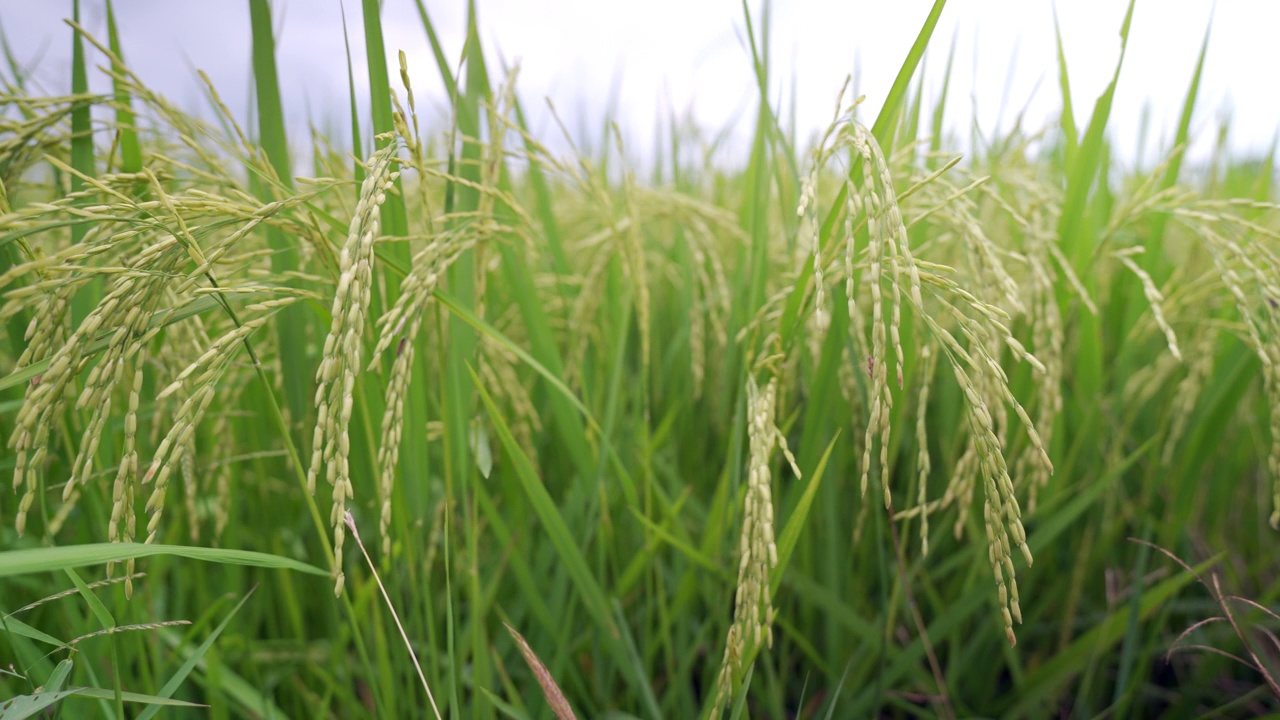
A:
(336, 377)
(753, 612)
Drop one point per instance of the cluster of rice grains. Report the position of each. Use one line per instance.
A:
(184, 231)
(757, 553)
(149, 248)
(969, 330)
(138, 251)
(123, 316)
(336, 377)
(1249, 271)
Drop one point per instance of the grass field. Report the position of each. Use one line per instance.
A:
(450, 425)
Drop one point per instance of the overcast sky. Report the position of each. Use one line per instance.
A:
(690, 56)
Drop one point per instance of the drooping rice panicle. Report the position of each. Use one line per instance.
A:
(924, 465)
(336, 378)
(753, 612)
(1154, 298)
(124, 313)
(400, 324)
(122, 525)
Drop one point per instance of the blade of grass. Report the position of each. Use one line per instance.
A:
(1078, 242)
(25, 706)
(17, 627)
(1083, 170)
(108, 622)
(48, 559)
(86, 299)
(797, 522)
(180, 675)
(1157, 264)
(588, 590)
(886, 121)
(235, 686)
(883, 126)
(130, 147)
(357, 143)
(1067, 119)
(291, 330)
(394, 219)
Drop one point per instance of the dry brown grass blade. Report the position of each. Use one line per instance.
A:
(350, 522)
(550, 690)
(1215, 591)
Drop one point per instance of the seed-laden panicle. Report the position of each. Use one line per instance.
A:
(203, 378)
(48, 326)
(1199, 369)
(1001, 512)
(1261, 320)
(708, 311)
(176, 442)
(1049, 339)
(808, 211)
(46, 331)
(123, 522)
(400, 325)
(757, 554)
(972, 340)
(897, 243)
(336, 378)
(1153, 295)
(138, 295)
(982, 256)
(924, 465)
(123, 313)
(889, 244)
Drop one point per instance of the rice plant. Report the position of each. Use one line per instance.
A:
(861, 429)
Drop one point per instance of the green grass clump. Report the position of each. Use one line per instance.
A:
(780, 441)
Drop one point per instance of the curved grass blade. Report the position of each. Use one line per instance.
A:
(886, 120)
(575, 564)
(25, 706)
(130, 148)
(48, 559)
(1155, 240)
(284, 259)
(175, 680)
(796, 523)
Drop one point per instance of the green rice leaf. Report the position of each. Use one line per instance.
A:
(50, 559)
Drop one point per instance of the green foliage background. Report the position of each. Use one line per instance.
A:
(550, 411)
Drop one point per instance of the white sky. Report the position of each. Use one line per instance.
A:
(690, 55)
